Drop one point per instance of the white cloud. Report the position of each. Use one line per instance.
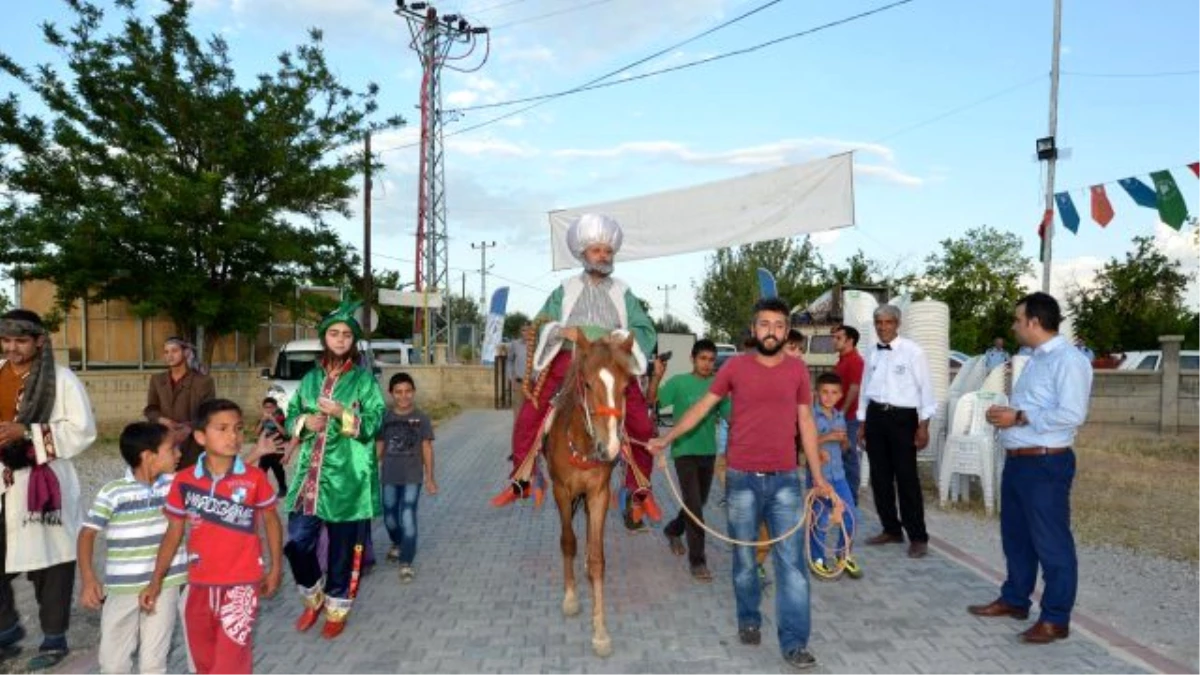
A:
(488, 146)
(778, 153)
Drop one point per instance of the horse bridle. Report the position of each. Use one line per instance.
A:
(600, 411)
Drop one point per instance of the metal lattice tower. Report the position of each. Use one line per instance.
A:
(437, 41)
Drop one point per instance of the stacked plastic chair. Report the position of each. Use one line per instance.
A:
(971, 447)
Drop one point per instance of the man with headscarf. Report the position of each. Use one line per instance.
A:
(336, 413)
(45, 419)
(592, 304)
(176, 394)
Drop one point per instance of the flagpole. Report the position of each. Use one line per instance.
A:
(1048, 241)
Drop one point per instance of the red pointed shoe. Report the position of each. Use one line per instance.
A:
(511, 493)
(308, 619)
(653, 512)
(539, 496)
(332, 629)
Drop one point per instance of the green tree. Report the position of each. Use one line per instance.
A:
(979, 277)
(671, 324)
(512, 324)
(1133, 301)
(859, 270)
(464, 310)
(730, 286)
(154, 177)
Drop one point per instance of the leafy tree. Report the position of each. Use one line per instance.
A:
(154, 177)
(464, 310)
(512, 324)
(979, 277)
(1133, 302)
(730, 286)
(671, 324)
(859, 270)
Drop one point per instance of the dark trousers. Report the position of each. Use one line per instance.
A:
(274, 463)
(301, 552)
(695, 480)
(52, 587)
(893, 455)
(1035, 529)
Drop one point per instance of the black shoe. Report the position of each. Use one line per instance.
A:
(750, 636)
(800, 659)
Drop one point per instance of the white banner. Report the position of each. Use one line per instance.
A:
(811, 197)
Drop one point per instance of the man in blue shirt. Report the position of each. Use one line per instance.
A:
(996, 355)
(1049, 403)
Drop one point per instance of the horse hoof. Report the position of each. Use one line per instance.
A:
(603, 648)
(570, 606)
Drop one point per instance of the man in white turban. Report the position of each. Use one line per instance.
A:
(592, 304)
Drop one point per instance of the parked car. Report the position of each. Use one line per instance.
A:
(295, 359)
(390, 353)
(1189, 359)
(957, 359)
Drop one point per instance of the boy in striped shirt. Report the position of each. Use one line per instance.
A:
(128, 511)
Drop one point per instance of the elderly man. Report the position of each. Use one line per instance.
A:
(175, 396)
(593, 304)
(45, 419)
(897, 398)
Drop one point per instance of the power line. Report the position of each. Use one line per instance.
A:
(961, 108)
(547, 15)
(628, 66)
(490, 8)
(692, 64)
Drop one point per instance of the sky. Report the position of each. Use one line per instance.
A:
(941, 100)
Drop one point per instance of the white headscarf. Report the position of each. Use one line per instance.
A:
(590, 229)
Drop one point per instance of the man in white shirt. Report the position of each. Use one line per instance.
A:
(895, 407)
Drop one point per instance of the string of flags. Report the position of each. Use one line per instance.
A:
(1164, 196)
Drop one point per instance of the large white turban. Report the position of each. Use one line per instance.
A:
(590, 229)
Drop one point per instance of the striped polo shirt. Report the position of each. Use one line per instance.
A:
(129, 513)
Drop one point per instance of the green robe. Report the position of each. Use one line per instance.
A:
(348, 474)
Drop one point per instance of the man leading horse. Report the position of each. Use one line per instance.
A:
(593, 303)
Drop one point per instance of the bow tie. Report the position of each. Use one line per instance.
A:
(883, 346)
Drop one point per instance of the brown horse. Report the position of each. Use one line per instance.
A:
(584, 439)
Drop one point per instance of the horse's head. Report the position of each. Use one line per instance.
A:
(603, 372)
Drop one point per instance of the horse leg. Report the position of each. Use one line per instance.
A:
(597, 511)
(567, 542)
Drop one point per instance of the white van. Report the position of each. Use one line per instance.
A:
(295, 359)
(391, 353)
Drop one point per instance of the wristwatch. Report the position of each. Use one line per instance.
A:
(28, 433)
(1022, 420)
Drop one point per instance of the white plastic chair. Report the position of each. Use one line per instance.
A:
(971, 447)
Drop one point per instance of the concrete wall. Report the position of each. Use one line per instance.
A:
(118, 396)
(1134, 398)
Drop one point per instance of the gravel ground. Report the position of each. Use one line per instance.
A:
(1152, 600)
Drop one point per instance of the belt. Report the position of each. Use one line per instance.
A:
(888, 407)
(1037, 451)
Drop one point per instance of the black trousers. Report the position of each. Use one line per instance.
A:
(893, 455)
(274, 463)
(52, 587)
(695, 480)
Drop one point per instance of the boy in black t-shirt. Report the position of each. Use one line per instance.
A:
(405, 448)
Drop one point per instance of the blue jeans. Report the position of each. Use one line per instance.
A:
(776, 499)
(852, 460)
(842, 547)
(1035, 528)
(400, 517)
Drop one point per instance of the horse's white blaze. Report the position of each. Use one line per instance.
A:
(614, 445)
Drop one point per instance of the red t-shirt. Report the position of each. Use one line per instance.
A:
(762, 433)
(850, 369)
(222, 515)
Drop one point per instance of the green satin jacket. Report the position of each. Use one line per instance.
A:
(337, 473)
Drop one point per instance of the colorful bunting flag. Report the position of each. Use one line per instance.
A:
(1139, 192)
(1067, 212)
(1195, 167)
(1047, 216)
(1102, 210)
(1171, 208)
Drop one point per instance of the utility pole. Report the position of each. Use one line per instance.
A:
(483, 246)
(1048, 150)
(666, 299)
(367, 291)
(437, 40)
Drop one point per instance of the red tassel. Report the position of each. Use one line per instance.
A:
(1102, 210)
